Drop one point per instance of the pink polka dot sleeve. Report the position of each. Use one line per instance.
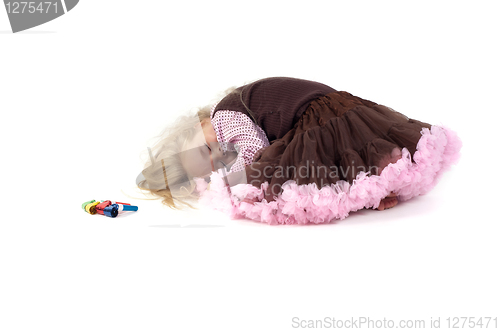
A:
(236, 127)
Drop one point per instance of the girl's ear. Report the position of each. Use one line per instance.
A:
(202, 123)
(199, 124)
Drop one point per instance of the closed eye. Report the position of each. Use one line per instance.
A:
(208, 147)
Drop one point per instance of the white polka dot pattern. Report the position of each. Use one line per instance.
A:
(237, 128)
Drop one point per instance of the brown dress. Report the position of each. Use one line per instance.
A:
(336, 137)
(328, 155)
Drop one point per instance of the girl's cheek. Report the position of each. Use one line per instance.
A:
(212, 134)
(210, 137)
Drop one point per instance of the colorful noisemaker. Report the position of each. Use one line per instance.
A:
(107, 208)
(113, 209)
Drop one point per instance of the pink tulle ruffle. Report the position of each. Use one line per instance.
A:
(437, 150)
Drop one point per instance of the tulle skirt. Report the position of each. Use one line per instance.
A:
(344, 154)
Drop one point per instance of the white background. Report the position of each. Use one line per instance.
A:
(82, 96)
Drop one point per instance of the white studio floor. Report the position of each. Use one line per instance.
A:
(82, 97)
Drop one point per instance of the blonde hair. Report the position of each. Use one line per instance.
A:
(178, 188)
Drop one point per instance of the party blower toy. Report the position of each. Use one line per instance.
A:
(90, 206)
(107, 208)
(113, 209)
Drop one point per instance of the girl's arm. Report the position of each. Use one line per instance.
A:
(239, 129)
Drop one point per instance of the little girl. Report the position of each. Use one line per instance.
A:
(285, 150)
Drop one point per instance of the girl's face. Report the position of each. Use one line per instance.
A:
(203, 154)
